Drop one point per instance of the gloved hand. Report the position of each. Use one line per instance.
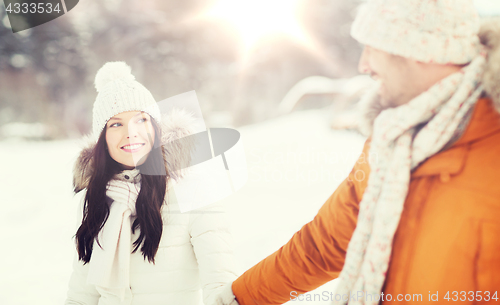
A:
(123, 192)
(226, 297)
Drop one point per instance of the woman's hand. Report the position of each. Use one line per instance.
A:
(123, 191)
(226, 297)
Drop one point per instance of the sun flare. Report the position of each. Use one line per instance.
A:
(257, 19)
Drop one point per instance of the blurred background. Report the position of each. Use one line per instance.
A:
(240, 56)
(282, 72)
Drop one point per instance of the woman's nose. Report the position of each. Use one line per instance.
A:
(132, 131)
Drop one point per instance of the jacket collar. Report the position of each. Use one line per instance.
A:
(485, 121)
(129, 175)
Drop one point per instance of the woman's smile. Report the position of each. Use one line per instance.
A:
(132, 148)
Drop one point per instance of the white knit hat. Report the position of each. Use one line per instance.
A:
(118, 91)
(430, 31)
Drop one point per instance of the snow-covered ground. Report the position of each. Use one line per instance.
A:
(295, 162)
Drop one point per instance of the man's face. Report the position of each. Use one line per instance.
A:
(399, 77)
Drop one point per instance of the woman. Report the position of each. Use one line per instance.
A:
(133, 244)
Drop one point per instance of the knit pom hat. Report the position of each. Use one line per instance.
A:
(118, 91)
(430, 31)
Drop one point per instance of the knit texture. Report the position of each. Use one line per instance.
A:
(118, 92)
(110, 262)
(401, 145)
(430, 31)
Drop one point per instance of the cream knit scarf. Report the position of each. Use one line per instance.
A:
(109, 266)
(400, 148)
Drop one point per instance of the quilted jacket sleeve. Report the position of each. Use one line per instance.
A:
(212, 243)
(79, 292)
(314, 255)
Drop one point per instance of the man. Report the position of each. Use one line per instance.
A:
(423, 227)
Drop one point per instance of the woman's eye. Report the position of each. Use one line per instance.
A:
(142, 120)
(115, 125)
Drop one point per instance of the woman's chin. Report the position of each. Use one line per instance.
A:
(131, 164)
(127, 166)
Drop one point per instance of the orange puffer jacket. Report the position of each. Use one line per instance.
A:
(447, 242)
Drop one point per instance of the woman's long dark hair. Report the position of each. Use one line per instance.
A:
(148, 204)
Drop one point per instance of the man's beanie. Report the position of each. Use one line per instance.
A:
(430, 31)
(118, 91)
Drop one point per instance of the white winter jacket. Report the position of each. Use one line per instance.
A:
(194, 258)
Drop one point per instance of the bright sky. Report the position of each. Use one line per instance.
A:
(257, 19)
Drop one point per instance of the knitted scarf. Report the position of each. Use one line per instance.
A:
(401, 146)
(109, 266)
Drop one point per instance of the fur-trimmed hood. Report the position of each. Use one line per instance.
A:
(489, 35)
(175, 125)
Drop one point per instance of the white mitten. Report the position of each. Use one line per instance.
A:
(123, 192)
(226, 297)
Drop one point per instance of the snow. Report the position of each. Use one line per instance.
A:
(295, 162)
(24, 130)
(347, 87)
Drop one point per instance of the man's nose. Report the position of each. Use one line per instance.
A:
(363, 65)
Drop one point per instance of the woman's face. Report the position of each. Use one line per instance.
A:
(130, 138)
